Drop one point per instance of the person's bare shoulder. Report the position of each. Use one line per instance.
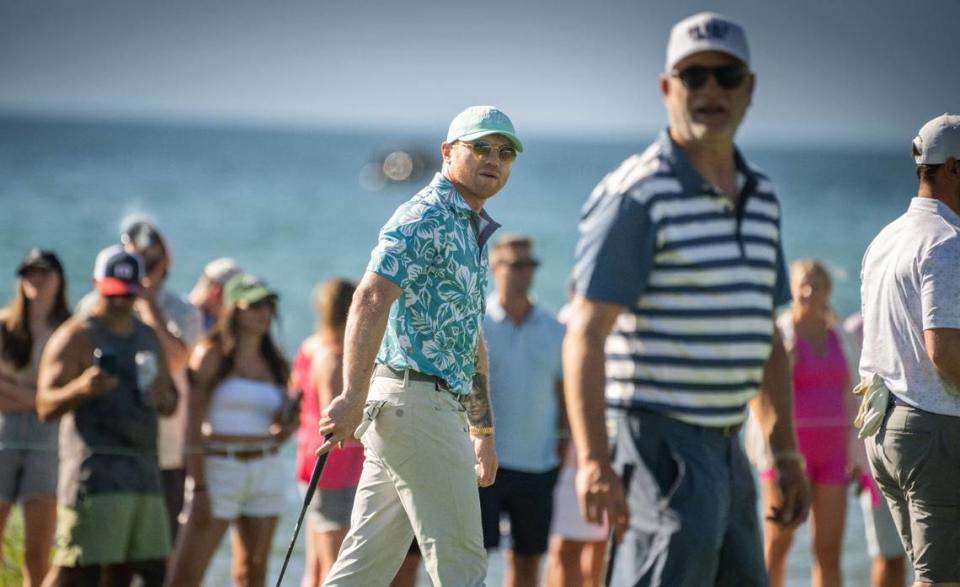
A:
(67, 353)
(69, 337)
(205, 361)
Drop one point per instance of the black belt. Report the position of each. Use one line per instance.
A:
(895, 400)
(440, 384)
(725, 431)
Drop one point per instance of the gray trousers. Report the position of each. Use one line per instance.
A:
(418, 480)
(915, 458)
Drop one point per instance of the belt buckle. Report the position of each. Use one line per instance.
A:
(440, 384)
(731, 430)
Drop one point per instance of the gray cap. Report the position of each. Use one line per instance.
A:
(938, 140)
(706, 31)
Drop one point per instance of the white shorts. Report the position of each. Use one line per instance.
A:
(250, 488)
(883, 539)
(567, 521)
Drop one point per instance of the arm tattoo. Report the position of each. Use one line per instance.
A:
(480, 412)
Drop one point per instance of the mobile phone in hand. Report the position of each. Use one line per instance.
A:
(107, 362)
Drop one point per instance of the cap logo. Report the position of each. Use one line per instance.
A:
(124, 271)
(712, 29)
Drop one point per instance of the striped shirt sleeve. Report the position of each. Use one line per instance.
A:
(616, 249)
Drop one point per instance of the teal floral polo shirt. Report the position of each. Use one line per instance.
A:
(434, 248)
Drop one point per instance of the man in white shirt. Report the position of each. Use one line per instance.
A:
(911, 340)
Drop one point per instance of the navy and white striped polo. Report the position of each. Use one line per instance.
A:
(700, 279)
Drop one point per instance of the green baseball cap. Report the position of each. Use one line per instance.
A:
(245, 289)
(480, 121)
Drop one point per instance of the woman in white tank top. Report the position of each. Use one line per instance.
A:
(239, 414)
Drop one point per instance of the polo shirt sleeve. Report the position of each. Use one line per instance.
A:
(189, 322)
(616, 249)
(405, 249)
(940, 285)
(781, 288)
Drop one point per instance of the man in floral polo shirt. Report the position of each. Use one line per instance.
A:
(413, 340)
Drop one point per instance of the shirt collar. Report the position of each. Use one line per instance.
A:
(686, 173)
(499, 314)
(485, 225)
(935, 206)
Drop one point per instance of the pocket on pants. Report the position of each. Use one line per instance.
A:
(652, 474)
(393, 433)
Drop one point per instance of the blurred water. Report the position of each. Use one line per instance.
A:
(289, 207)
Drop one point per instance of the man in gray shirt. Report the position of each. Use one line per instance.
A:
(911, 339)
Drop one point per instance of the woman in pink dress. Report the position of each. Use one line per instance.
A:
(821, 385)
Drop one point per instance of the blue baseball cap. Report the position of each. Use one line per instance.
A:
(480, 121)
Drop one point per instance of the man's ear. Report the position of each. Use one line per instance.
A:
(445, 149)
(664, 84)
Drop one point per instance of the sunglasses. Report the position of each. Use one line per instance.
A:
(729, 77)
(521, 265)
(34, 272)
(483, 149)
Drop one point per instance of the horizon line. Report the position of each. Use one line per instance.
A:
(639, 134)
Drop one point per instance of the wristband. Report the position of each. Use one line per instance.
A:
(789, 456)
(481, 430)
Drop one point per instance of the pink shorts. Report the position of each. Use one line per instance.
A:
(825, 450)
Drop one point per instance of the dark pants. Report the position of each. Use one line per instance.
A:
(528, 499)
(120, 575)
(173, 480)
(692, 500)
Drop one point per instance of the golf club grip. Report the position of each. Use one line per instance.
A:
(311, 489)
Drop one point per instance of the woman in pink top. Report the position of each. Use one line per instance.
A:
(317, 371)
(821, 384)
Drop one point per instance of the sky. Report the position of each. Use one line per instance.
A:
(849, 71)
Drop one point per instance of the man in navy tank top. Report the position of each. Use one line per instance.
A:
(104, 376)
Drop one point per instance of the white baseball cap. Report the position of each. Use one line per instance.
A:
(706, 31)
(938, 140)
(221, 270)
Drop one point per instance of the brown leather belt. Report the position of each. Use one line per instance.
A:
(242, 454)
(389, 372)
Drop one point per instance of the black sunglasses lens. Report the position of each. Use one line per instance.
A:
(729, 77)
(507, 154)
(694, 77)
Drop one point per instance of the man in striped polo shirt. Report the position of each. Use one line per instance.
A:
(680, 263)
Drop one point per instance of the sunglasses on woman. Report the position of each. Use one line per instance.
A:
(729, 77)
(506, 153)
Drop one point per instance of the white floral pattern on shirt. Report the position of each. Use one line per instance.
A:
(429, 249)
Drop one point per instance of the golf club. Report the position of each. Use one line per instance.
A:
(311, 488)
